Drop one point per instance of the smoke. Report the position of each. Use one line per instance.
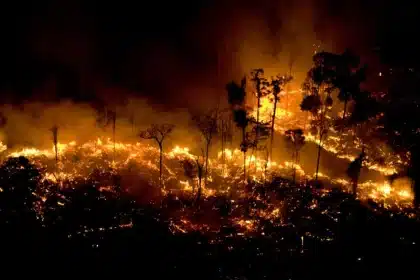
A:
(152, 72)
(29, 125)
(182, 59)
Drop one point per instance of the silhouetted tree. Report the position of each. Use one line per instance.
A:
(353, 171)
(54, 131)
(277, 85)
(398, 122)
(318, 88)
(297, 139)
(158, 133)
(260, 129)
(261, 90)
(242, 119)
(256, 138)
(207, 125)
(236, 94)
(200, 168)
(236, 98)
(348, 77)
(225, 129)
(365, 108)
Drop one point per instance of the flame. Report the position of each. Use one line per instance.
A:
(231, 171)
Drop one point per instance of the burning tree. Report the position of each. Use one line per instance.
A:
(297, 139)
(277, 84)
(158, 133)
(318, 88)
(207, 124)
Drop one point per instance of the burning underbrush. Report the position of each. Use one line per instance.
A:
(228, 208)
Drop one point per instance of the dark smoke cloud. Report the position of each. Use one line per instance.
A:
(180, 54)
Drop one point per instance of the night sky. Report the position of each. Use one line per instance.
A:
(85, 50)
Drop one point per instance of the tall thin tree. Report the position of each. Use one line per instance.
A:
(158, 133)
(318, 88)
(297, 140)
(261, 90)
(224, 128)
(277, 85)
(54, 131)
(207, 125)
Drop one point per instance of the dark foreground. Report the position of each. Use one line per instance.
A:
(365, 244)
(92, 233)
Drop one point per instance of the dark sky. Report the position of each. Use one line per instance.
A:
(171, 50)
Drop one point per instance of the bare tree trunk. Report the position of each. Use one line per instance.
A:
(244, 151)
(55, 140)
(318, 157)
(207, 162)
(257, 130)
(321, 133)
(266, 165)
(56, 154)
(200, 175)
(354, 187)
(273, 119)
(114, 117)
(223, 145)
(244, 168)
(160, 164)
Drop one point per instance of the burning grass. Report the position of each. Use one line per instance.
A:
(138, 161)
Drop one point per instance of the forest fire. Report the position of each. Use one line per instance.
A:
(79, 160)
(336, 142)
(240, 140)
(243, 175)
